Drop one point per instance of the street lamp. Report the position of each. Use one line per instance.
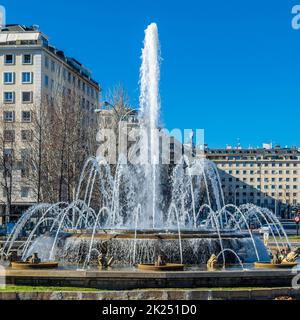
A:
(276, 193)
(276, 199)
(237, 189)
(106, 104)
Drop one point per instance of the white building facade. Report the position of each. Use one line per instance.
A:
(30, 70)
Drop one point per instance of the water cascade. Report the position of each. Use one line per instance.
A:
(136, 215)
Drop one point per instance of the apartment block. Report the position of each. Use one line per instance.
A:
(31, 72)
(266, 177)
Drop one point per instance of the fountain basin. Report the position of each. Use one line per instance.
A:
(154, 234)
(21, 265)
(165, 267)
(267, 265)
(130, 247)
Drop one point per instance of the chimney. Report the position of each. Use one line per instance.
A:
(2, 17)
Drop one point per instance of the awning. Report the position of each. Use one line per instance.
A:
(23, 36)
(3, 37)
(18, 36)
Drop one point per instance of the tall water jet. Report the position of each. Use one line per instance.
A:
(139, 211)
(149, 114)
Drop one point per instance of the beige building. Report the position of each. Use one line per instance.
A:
(266, 177)
(32, 70)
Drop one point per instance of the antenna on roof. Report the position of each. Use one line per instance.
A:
(2, 17)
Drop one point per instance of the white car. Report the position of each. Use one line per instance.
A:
(269, 228)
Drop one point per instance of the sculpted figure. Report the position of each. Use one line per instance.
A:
(160, 261)
(103, 261)
(34, 259)
(291, 256)
(212, 262)
(276, 258)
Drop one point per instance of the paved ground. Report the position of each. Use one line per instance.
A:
(127, 280)
(154, 294)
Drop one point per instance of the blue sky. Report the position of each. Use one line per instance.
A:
(230, 67)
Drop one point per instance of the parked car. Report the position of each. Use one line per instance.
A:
(270, 228)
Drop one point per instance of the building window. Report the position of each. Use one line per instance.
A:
(58, 71)
(8, 153)
(25, 154)
(26, 116)
(46, 62)
(9, 59)
(52, 66)
(26, 77)
(9, 97)
(27, 58)
(27, 97)
(26, 135)
(9, 116)
(24, 172)
(8, 78)
(24, 192)
(46, 81)
(9, 135)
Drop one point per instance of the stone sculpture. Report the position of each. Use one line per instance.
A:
(212, 262)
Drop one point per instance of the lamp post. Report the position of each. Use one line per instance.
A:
(276, 196)
(120, 117)
(237, 189)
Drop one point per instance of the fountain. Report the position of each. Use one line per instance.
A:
(143, 211)
(281, 259)
(33, 262)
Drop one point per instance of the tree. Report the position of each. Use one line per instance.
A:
(117, 110)
(8, 164)
(64, 133)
